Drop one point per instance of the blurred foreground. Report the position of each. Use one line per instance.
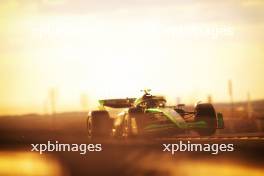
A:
(129, 157)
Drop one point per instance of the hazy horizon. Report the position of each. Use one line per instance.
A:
(113, 49)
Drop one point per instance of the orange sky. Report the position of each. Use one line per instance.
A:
(113, 49)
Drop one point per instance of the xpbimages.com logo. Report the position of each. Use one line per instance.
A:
(190, 147)
(58, 147)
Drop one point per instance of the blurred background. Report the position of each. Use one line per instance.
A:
(58, 57)
(113, 49)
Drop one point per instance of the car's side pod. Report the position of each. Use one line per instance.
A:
(220, 121)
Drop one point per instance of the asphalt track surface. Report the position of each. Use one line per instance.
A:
(146, 157)
(125, 157)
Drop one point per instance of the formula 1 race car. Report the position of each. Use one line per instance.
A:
(149, 116)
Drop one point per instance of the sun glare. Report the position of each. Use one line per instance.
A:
(119, 52)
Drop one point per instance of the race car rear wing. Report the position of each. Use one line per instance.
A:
(117, 103)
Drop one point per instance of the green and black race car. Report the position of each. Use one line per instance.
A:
(149, 116)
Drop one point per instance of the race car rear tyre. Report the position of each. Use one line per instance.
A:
(206, 112)
(126, 128)
(99, 125)
(134, 123)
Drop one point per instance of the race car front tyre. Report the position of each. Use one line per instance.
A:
(99, 125)
(206, 112)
